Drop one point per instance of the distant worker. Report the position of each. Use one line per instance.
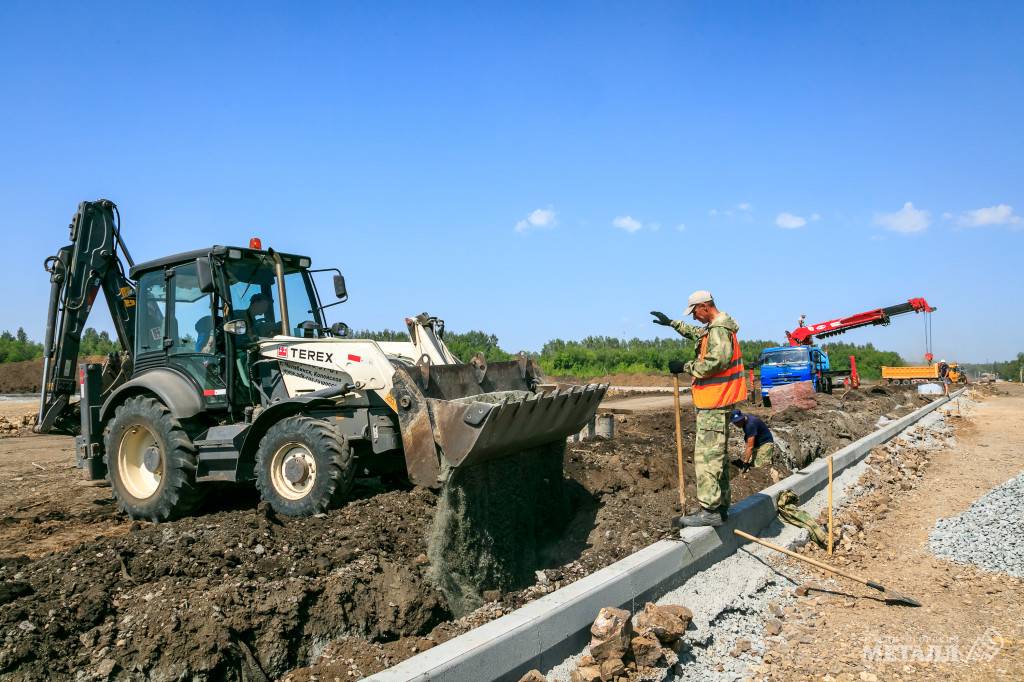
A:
(760, 444)
(719, 382)
(944, 376)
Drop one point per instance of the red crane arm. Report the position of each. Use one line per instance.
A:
(805, 335)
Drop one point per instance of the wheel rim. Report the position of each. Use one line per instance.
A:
(140, 478)
(293, 471)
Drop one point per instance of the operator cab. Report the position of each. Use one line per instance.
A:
(201, 312)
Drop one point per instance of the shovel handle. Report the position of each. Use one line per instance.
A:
(812, 562)
(679, 445)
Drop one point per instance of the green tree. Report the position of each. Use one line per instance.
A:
(18, 347)
(467, 344)
(97, 343)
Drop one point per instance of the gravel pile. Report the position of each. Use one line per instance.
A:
(987, 534)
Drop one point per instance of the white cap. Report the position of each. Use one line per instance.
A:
(697, 297)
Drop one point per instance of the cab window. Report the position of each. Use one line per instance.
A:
(152, 312)
(194, 328)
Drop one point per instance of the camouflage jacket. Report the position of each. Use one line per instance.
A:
(719, 354)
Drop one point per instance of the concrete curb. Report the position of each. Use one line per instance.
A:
(544, 632)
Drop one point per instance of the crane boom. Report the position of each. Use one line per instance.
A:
(805, 335)
(78, 272)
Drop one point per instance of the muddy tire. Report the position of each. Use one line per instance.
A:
(303, 467)
(151, 461)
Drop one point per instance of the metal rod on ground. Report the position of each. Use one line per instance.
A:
(890, 595)
(679, 445)
(830, 505)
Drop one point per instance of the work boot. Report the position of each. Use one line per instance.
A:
(705, 517)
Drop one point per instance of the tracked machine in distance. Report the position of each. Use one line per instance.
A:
(229, 373)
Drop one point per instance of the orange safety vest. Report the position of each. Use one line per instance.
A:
(724, 388)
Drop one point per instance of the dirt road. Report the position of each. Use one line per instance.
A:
(44, 503)
(645, 403)
(971, 619)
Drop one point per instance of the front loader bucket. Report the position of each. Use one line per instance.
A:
(441, 432)
(492, 425)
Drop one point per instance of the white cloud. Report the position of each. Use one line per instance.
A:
(815, 217)
(627, 223)
(906, 220)
(681, 227)
(1001, 214)
(788, 221)
(541, 218)
(653, 227)
(743, 211)
(947, 216)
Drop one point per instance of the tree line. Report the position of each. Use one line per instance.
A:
(591, 357)
(870, 360)
(1008, 369)
(597, 356)
(17, 347)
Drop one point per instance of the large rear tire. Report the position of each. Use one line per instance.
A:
(151, 461)
(304, 466)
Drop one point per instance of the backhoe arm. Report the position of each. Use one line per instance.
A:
(77, 273)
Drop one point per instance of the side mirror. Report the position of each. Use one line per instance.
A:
(340, 329)
(204, 272)
(238, 327)
(339, 287)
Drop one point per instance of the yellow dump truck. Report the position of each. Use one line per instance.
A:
(915, 374)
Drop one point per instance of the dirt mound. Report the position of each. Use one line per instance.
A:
(232, 595)
(21, 377)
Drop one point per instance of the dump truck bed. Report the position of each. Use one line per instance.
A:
(911, 372)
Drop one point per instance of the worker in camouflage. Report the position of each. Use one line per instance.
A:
(718, 384)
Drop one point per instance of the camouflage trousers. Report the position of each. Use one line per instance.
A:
(763, 454)
(710, 458)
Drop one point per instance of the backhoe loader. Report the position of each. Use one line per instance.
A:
(229, 373)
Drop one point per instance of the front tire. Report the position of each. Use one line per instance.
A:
(151, 461)
(303, 467)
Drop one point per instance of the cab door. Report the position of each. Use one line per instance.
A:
(178, 326)
(195, 336)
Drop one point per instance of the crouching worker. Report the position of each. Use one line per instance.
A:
(760, 445)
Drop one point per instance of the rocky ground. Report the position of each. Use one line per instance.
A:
(988, 533)
(87, 593)
(832, 629)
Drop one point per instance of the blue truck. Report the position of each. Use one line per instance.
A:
(782, 365)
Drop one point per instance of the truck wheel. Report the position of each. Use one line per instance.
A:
(303, 466)
(151, 462)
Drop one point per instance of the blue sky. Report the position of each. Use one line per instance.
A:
(542, 170)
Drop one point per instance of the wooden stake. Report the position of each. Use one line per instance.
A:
(830, 504)
(679, 446)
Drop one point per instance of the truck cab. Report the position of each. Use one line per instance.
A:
(789, 364)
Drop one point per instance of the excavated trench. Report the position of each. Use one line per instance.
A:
(241, 594)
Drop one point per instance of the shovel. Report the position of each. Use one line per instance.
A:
(891, 597)
(679, 445)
